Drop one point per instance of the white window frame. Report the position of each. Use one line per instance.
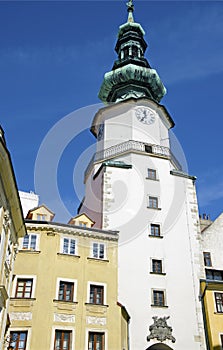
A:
(97, 284)
(151, 265)
(33, 277)
(23, 329)
(62, 279)
(215, 306)
(62, 245)
(92, 250)
(151, 178)
(88, 330)
(37, 242)
(62, 328)
(164, 295)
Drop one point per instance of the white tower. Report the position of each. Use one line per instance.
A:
(135, 185)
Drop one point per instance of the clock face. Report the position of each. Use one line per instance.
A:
(145, 115)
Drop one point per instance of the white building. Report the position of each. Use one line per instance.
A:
(136, 186)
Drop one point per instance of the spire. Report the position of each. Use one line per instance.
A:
(130, 7)
(131, 74)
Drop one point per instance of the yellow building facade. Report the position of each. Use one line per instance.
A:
(212, 283)
(64, 293)
(11, 228)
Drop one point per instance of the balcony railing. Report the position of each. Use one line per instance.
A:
(132, 146)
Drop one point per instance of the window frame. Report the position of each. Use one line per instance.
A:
(65, 290)
(17, 341)
(207, 259)
(27, 330)
(30, 234)
(155, 270)
(95, 333)
(62, 328)
(153, 227)
(68, 280)
(62, 345)
(99, 284)
(151, 200)
(151, 174)
(217, 304)
(99, 244)
(157, 290)
(24, 277)
(62, 251)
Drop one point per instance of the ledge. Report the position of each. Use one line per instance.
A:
(149, 178)
(29, 251)
(158, 273)
(153, 236)
(65, 301)
(70, 255)
(162, 306)
(96, 305)
(153, 208)
(97, 259)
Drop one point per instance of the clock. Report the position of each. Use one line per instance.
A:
(100, 132)
(145, 115)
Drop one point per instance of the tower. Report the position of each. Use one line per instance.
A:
(134, 184)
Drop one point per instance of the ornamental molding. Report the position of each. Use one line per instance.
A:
(100, 321)
(160, 330)
(64, 318)
(109, 236)
(21, 316)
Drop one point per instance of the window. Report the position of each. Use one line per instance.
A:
(221, 336)
(82, 224)
(155, 230)
(214, 275)
(62, 340)
(219, 302)
(69, 246)
(98, 250)
(207, 259)
(66, 291)
(156, 266)
(29, 242)
(24, 288)
(96, 341)
(151, 174)
(158, 298)
(96, 294)
(41, 217)
(18, 340)
(153, 202)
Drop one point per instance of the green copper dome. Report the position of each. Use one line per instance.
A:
(131, 75)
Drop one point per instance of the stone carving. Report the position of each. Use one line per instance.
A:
(160, 330)
(21, 316)
(7, 220)
(101, 321)
(64, 318)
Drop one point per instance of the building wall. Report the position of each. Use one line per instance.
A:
(47, 265)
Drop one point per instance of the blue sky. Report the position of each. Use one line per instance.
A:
(53, 56)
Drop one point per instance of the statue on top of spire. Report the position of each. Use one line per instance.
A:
(130, 7)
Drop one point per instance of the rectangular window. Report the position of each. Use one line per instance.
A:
(69, 246)
(24, 288)
(62, 340)
(29, 242)
(96, 341)
(207, 259)
(155, 230)
(221, 336)
(98, 250)
(158, 298)
(66, 291)
(18, 340)
(41, 217)
(156, 266)
(96, 294)
(151, 174)
(153, 202)
(219, 302)
(215, 275)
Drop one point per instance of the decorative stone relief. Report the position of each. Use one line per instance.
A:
(21, 316)
(64, 318)
(101, 321)
(160, 330)
(7, 220)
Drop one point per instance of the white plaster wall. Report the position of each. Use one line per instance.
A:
(29, 200)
